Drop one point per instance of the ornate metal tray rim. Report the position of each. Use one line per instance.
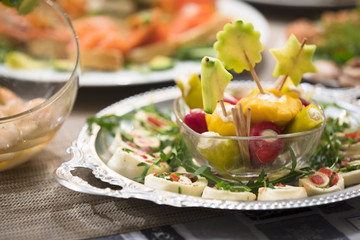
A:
(84, 155)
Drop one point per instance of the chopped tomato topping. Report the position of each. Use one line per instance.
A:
(131, 144)
(193, 179)
(279, 185)
(344, 163)
(329, 173)
(174, 177)
(156, 121)
(326, 171)
(144, 156)
(354, 135)
(317, 179)
(335, 179)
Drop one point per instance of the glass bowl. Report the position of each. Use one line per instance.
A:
(39, 75)
(229, 157)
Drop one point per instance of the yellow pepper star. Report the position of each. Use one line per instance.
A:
(294, 61)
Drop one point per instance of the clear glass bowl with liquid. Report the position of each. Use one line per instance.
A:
(39, 77)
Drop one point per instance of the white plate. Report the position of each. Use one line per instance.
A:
(89, 147)
(306, 3)
(232, 8)
(89, 78)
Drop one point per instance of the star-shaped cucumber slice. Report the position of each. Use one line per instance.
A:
(214, 79)
(294, 60)
(238, 46)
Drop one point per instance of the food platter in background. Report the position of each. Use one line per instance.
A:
(235, 9)
(140, 73)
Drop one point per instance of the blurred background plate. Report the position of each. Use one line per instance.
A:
(232, 8)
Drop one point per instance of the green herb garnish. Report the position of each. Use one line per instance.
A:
(22, 6)
(327, 153)
(232, 188)
(291, 177)
(108, 122)
(349, 168)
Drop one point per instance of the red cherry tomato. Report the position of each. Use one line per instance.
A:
(230, 98)
(264, 151)
(304, 102)
(196, 120)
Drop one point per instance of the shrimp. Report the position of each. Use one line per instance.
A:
(190, 16)
(29, 27)
(10, 103)
(100, 32)
(9, 135)
(6, 95)
(43, 115)
(43, 119)
(12, 107)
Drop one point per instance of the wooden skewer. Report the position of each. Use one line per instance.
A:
(242, 120)
(236, 120)
(223, 107)
(248, 121)
(253, 74)
(281, 83)
(248, 126)
(283, 80)
(245, 145)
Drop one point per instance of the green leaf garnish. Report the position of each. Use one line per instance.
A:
(200, 171)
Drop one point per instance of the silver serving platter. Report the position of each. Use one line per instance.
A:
(90, 147)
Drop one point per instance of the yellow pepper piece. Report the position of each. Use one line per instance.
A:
(272, 107)
(222, 154)
(287, 85)
(191, 91)
(216, 124)
(290, 87)
(308, 118)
